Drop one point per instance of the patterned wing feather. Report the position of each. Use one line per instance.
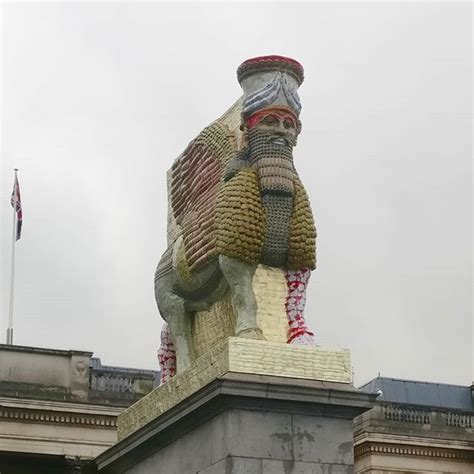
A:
(196, 178)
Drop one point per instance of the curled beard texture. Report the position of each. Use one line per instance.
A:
(273, 163)
(266, 219)
(240, 218)
(302, 233)
(274, 166)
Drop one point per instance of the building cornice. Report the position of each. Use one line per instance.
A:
(395, 449)
(58, 413)
(410, 439)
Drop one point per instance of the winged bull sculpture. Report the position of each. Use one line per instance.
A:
(236, 202)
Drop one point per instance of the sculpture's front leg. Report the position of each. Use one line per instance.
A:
(298, 332)
(173, 311)
(239, 276)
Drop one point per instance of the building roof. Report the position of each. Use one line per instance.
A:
(428, 394)
(96, 364)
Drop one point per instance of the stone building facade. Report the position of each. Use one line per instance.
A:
(58, 409)
(415, 427)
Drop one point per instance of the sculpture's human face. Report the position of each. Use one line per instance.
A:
(271, 135)
(282, 129)
(279, 125)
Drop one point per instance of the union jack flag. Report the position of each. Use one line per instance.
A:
(16, 204)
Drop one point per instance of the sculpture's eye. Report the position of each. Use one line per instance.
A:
(288, 123)
(270, 120)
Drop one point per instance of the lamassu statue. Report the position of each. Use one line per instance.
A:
(236, 202)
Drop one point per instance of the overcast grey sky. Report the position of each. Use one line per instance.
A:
(100, 98)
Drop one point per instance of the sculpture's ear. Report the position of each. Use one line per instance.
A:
(298, 127)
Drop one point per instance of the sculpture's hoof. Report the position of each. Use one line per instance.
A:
(252, 333)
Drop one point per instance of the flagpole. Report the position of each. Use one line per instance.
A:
(12, 278)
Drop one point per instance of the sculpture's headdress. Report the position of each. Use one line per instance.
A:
(270, 81)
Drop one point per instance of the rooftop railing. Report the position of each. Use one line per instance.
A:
(415, 415)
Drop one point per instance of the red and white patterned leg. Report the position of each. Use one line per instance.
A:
(166, 355)
(298, 332)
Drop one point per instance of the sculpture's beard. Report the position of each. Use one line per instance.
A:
(272, 158)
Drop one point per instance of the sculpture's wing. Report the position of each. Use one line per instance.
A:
(196, 176)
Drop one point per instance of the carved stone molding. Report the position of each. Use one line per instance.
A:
(55, 417)
(416, 451)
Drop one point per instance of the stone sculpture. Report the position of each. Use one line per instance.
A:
(236, 202)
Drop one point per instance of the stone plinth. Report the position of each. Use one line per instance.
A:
(247, 423)
(245, 407)
(238, 355)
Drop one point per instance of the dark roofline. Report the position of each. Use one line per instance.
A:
(414, 381)
(421, 394)
(96, 366)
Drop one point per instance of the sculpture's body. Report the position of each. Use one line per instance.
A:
(237, 202)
